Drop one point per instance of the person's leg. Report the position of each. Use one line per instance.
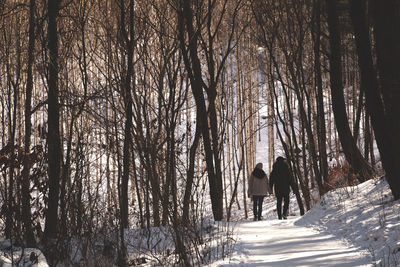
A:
(279, 206)
(255, 205)
(260, 203)
(286, 206)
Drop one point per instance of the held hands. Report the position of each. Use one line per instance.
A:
(249, 195)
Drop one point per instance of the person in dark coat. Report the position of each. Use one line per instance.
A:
(258, 189)
(281, 180)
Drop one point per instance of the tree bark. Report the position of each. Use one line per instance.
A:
(128, 44)
(193, 66)
(190, 174)
(53, 138)
(387, 38)
(26, 197)
(352, 153)
(321, 128)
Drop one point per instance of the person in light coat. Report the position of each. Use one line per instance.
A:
(258, 189)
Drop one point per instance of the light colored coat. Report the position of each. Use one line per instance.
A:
(257, 186)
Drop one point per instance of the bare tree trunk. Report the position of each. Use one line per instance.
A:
(321, 128)
(12, 191)
(190, 174)
(26, 197)
(65, 174)
(304, 184)
(240, 124)
(128, 39)
(387, 38)
(127, 42)
(350, 149)
(53, 138)
(233, 118)
(193, 66)
(138, 192)
(367, 137)
(228, 152)
(356, 128)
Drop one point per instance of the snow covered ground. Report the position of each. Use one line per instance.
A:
(352, 226)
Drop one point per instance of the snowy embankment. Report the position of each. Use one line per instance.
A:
(364, 216)
(352, 226)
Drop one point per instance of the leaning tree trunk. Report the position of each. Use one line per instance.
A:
(349, 146)
(193, 66)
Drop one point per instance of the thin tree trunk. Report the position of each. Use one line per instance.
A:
(190, 174)
(129, 42)
(240, 126)
(233, 136)
(356, 128)
(304, 184)
(321, 128)
(26, 196)
(367, 137)
(11, 205)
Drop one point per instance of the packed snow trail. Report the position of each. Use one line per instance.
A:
(282, 243)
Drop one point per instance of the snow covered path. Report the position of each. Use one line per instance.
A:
(282, 243)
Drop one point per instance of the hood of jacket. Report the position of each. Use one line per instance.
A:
(258, 173)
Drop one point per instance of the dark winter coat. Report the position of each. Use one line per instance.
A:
(281, 178)
(258, 183)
